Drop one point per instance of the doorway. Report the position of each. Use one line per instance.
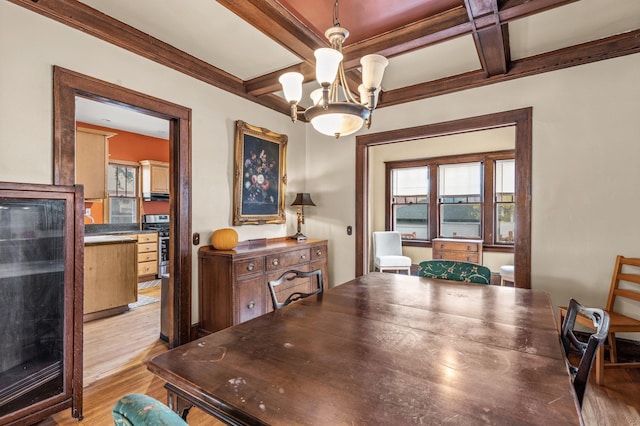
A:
(521, 119)
(69, 84)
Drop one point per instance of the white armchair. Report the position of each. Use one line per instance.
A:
(387, 252)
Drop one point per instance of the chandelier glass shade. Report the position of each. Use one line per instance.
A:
(336, 111)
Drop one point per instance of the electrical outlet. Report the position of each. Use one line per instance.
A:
(87, 211)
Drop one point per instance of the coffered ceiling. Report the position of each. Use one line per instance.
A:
(434, 46)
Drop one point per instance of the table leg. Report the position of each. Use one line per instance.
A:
(178, 404)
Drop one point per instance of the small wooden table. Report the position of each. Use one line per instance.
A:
(383, 349)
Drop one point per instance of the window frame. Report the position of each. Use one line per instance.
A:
(488, 200)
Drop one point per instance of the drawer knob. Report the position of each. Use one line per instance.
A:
(275, 262)
(319, 252)
(468, 248)
(304, 256)
(251, 267)
(441, 245)
(251, 304)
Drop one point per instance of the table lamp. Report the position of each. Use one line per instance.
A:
(302, 199)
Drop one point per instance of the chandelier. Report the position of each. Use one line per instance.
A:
(336, 111)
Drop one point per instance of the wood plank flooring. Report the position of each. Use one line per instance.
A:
(117, 349)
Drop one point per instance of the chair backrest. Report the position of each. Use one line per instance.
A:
(627, 272)
(136, 409)
(455, 270)
(587, 350)
(387, 243)
(292, 275)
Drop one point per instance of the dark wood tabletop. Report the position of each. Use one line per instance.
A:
(383, 349)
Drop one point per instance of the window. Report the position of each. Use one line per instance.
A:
(122, 180)
(410, 202)
(122, 189)
(505, 183)
(466, 196)
(460, 200)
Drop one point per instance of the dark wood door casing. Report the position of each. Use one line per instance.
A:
(69, 84)
(520, 118)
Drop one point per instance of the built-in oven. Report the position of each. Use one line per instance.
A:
(160, 224)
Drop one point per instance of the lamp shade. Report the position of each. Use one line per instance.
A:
(303, 199)
(291, 86)
(372, 70)
(327, 62)
(337, 124)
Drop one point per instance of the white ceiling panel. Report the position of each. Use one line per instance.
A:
(119, 118)
(204, 29)
(448, 58)
(575, 23)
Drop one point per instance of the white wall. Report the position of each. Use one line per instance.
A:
(29, 47)
(585, 197)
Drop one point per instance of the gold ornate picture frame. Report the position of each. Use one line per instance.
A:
(259, 175)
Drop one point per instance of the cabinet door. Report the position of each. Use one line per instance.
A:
(92, 151)
(160, 178)
(250, 299)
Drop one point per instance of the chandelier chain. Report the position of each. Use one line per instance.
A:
(336, 21)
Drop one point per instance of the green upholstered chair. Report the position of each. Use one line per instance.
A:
(137, 409)
(455, 271)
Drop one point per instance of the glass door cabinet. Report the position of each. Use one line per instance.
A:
(41, 272)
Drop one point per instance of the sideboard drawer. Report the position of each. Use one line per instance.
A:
(250, 266)
(318, 252)
(287, 259)
(457, 246)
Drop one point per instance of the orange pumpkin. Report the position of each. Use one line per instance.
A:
(224, 239)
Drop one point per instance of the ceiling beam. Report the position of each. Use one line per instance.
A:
(442, 27)
(593, 51)
(492, 39)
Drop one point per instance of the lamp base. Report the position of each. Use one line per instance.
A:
(299, 236)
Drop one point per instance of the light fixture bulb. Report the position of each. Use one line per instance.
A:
(327, 63)
(372, 70)
(292, 86)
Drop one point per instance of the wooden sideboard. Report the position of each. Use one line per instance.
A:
(457, 249)
(233, 286)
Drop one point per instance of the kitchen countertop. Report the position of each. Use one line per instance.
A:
(106, 239)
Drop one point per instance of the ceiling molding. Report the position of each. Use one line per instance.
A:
(598, 50)
(277, 23)
(79, 16)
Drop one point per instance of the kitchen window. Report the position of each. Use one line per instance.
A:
(467, 196)
(122, 190)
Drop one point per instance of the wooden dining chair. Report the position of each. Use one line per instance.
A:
(455, 270)
(587, 347)
(625, 284)
(291, 277)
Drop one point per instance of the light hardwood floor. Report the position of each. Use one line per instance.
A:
(117, 349)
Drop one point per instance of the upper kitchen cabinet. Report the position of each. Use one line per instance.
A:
(92, 155)
(155, 180)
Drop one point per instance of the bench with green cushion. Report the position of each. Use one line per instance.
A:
(137, 409)
(455, 271)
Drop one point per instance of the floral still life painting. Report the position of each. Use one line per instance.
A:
(260, 176)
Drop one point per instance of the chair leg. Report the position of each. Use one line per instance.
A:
(600, 365)
(613, 353)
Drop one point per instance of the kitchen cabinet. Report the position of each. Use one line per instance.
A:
(155, 178)
(233, 283)
(110, 275)
(146, 255)
(457, 249)
(40, 301)
(92, 156)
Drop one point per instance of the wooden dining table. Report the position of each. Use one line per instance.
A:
(383, 349)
